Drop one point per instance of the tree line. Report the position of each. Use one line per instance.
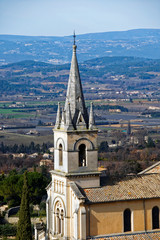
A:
(22, 148)
(107, 107)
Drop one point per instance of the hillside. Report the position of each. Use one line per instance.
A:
(58, 50)
(115, 73)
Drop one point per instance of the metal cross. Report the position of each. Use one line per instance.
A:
(74, 36)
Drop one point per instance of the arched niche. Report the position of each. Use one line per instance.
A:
(60, 141)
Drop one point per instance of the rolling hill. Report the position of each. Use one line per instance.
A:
(57, 50)
(38, 77)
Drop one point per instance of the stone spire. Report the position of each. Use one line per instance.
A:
(74, 92)
(58, 118)
(91, 118)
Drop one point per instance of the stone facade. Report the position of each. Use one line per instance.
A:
(71, 142)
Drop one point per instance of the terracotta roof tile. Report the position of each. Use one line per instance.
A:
(136, 236)
(135, 187)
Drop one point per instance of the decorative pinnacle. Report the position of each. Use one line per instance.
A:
(91, 118)
(58, 118)
(69, 125)
(74, 37)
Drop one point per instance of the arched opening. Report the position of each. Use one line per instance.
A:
(155, 217)
(59, 219)
(82, 155)
(60, 155)
(62, 222)
(127, 220)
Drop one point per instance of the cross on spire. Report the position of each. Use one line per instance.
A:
(74, 37)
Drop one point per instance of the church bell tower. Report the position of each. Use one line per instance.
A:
(75, 162)
(75, 134)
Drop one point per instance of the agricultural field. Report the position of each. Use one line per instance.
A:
(33, 120)
(10, 138)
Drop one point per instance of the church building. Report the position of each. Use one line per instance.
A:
(83, 205)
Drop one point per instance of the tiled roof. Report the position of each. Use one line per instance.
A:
(136, 236)
(133, 187)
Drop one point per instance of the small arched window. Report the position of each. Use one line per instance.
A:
(82, 155)
(155, 217)
(127, 220)
(60, 155)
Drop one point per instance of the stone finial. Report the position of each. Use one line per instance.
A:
(62, 125)
(58, 118)
(91, 118)
(68, 124)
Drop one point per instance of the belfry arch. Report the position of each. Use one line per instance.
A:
(86, 141)
(82, 155)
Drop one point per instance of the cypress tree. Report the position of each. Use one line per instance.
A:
(24, 231)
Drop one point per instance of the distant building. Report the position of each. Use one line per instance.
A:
(18, 155)
(153, 108)
(115, 110)
(32, 132)
(46, 162)
(51, 150)
(46, 155)
(34, 155)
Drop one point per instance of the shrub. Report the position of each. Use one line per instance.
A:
(8, 230)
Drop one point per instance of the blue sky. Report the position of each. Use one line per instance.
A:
(61, 17)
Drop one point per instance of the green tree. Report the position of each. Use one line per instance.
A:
(32, 147)
(11, 187)
(150, 143)
(103, 147)
(24, 230)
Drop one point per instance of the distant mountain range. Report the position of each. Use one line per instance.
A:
(57, 50)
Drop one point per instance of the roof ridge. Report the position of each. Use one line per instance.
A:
(76, 190)
(149, 168)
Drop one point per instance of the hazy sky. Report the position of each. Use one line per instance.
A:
(61, 17)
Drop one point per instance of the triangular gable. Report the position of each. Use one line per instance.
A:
(80, 120)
